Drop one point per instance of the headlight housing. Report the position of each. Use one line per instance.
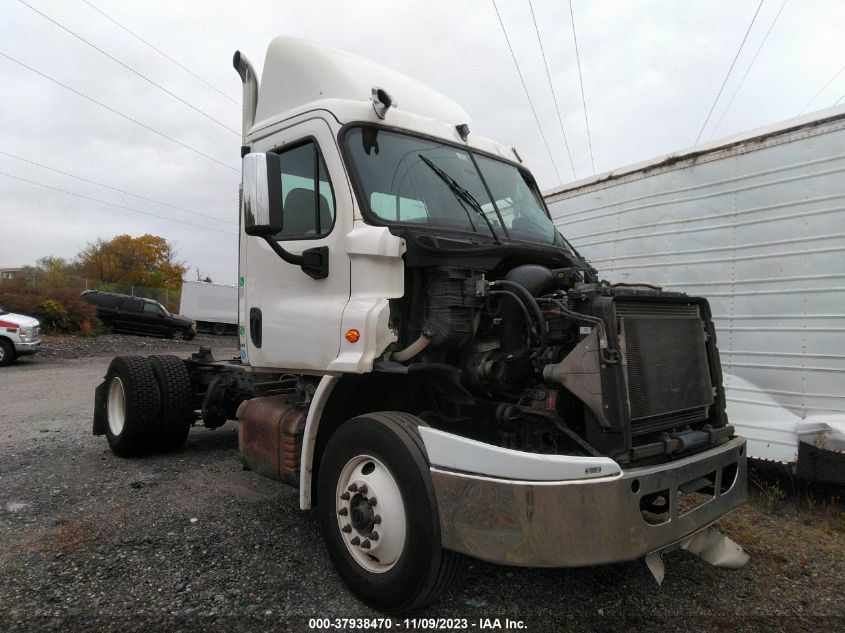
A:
(29, 333)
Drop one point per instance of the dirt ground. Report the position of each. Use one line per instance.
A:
(191, 541)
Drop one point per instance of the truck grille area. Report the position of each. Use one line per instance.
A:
(667, 369)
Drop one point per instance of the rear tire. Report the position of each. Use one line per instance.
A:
(218, 329)
(7, 352)
(405, 567)
(177, 397)
(132, 405)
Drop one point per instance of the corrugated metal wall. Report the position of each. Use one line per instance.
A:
(759, 229)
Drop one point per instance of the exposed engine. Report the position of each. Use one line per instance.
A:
(552, 363)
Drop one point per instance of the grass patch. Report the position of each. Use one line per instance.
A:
(68, 536)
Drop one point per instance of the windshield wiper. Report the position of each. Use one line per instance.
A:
(460, 193)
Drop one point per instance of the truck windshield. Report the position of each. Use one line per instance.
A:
(411, 180)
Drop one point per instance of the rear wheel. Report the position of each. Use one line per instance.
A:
(378, 513)
(177, 410)
(7, 352)
(218, 329)
(132, 405)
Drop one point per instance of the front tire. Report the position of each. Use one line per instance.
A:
(7, 352)
(378, 513)
(132, 405)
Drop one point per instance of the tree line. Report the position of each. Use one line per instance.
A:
(50, 290)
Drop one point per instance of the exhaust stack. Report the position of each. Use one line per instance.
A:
(250, 91)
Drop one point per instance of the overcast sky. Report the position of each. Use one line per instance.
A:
(651, 70)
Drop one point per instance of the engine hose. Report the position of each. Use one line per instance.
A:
(531, 301)
(599, 323)
(528, 328)
(412, 350)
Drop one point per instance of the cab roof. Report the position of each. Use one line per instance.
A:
(298, 72)
(301, 76)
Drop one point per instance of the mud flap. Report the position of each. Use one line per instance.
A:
(709, 545)
(100, 420)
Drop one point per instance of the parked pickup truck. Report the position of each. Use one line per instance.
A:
(429, 361)
(123, 313)
(19, 336)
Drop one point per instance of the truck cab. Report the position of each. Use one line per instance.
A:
(431, 363)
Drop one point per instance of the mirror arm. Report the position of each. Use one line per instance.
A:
(290, 258)
(314, 262)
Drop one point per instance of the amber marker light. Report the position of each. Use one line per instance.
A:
(353, 335)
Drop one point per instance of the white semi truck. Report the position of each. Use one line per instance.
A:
(213, 307)
(756, 222)
(429, 361)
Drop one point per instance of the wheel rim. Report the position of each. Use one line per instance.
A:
(370, 513)
(2, 353)
(178, 335)
(116, 406)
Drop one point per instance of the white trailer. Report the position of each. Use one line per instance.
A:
(214, 307)
(755, 223)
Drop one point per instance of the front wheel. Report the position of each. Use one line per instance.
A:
(7, 352)
(378, 513)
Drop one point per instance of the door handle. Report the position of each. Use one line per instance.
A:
(255, 326)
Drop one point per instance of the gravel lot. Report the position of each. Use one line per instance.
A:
(190, 541)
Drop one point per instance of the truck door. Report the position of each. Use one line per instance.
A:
(288, 319)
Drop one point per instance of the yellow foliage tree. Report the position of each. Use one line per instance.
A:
(148, 260)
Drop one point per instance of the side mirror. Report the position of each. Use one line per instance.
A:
(262, 194)
(262, 205)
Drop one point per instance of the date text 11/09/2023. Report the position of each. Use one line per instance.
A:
(416, 624)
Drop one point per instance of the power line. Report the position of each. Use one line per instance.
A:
(747, 70)
(581, 81)
(132, 70)
(112, 204)
(525, 88)
(128, 193)
(816, 96)
(161, 52)
(554, 97)
(722, 87)
(839, 99)
(117, 112)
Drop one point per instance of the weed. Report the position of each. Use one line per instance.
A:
(68, 536)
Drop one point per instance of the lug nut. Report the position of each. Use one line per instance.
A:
(373, 501)
(377, 519)
(373, 536)
(343, 512)
(345, 496)
(355, 541)
(346, 528)
(363, 489)
(365, 544)
(353, 488)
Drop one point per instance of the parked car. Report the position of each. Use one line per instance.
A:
(137, 315)
(19, 336)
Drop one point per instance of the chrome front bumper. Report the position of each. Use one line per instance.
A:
(582, 522)
(22, 349)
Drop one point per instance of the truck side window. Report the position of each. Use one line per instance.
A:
(131, 305)
(307, 198)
